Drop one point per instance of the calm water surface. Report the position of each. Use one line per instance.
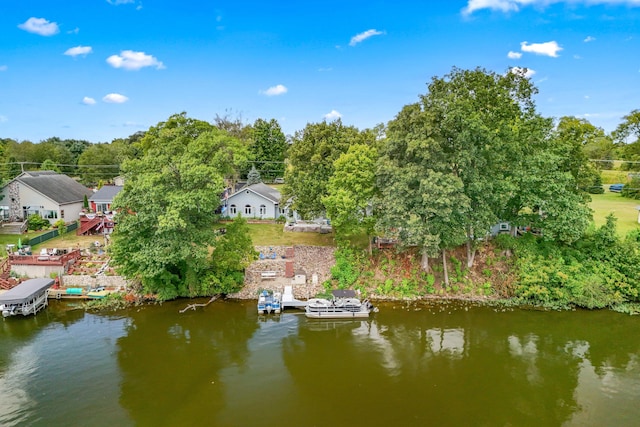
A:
(408, 365)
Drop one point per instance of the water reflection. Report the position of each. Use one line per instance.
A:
(171, 362)
(416, 364)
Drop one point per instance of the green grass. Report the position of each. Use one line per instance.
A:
(274, 235)
(621, 207)
(614, 176)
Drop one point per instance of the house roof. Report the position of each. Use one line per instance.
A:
(57, 187)
(106, 193)
(263, 191)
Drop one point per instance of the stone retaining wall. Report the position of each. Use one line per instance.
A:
(80, 281)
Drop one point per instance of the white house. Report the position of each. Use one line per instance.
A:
(257, 201)
(49, 194)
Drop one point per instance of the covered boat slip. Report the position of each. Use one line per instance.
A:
(26, 298)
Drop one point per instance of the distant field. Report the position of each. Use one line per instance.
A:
(622, 208)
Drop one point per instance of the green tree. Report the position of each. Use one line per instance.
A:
(165, 223)
(49, 165)
(351, 191)
(627, 135)
(268, 148)
(233, 253)
(61, 226)
(254, 176)
(311, 157)
(99, 162)
(629, 129)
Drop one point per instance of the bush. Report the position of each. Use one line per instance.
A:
(347, 268)
(35, 222)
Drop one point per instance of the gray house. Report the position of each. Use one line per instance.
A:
(102, 199)
(49, 194)
(257, 201)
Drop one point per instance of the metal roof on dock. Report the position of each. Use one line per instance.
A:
(25, 291)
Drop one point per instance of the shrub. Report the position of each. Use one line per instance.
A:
(35, 222)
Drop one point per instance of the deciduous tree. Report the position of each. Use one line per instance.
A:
(268, 148)
(351, 191)
(165, 222)
(311, 158)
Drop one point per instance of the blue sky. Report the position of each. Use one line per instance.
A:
(105, 69)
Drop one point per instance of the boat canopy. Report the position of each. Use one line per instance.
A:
(25, 291)
(344, 293)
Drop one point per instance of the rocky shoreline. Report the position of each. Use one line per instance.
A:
(309, 267)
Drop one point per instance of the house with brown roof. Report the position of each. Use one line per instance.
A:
(51, 195)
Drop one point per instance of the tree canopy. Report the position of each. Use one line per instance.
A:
(311, 157)
(268, 148)
(467, 157)
(165, 234)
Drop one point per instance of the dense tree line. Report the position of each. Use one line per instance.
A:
(472, 152)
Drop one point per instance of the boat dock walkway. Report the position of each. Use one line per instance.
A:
(288, 301)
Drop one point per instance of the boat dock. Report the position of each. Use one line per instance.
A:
(26, 298)
(288, 301)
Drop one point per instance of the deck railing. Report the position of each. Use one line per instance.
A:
(44, 259)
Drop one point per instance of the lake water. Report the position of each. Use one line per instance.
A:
(408, 365)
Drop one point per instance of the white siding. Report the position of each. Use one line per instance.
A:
(246, 198)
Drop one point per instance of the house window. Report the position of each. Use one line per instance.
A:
(248, 210)
(102, 207)
(61, 213)
(263, 210)
(232, 210)
(50, 214)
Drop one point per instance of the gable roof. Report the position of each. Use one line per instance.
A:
(107, 192)
(57, 187)
(263, 191)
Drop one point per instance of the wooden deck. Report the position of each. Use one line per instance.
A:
(44, 259)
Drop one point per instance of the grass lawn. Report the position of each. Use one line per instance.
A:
(624, 209)
(274, 235)
(68, 240)
(614, 177)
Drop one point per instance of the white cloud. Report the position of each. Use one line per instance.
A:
(363, 36)
(275, 90)
(74, 31)
(115, 98)
(3, 119)
(333, 115)
(526, 72)
(514, 55)
(589, 39)
(40, 26)
(89, 101)
(130, 60)
(79, 50)
(515, 5)
(118, 2)
(3, 68)
(325, 70)
(548, 48)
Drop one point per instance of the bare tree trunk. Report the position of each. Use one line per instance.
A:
(444, 265)
(424, 263)
(471, 254)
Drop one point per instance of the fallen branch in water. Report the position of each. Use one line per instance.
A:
(193, 306)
